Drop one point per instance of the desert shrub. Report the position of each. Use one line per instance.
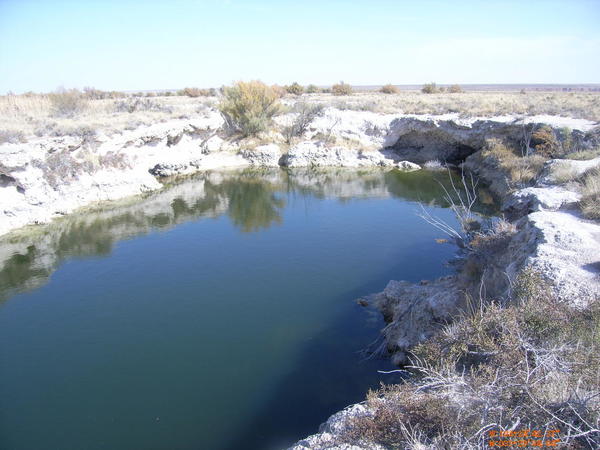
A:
(392, 408)
(544, 142)
(312, 89)
(584, 154)
(248, 107)
(67, 103)
(132, 105)
(294, 89)
(12, 137)
(455, 89)
(60, 167)
(590, 195)
(519, 170)
(389, 89)
(194, 92)
(430, 88)
(341, 89)
(280, 91)
(306, 113)
(63, 167)
(563, 173)
(112, 159)
(97, 94)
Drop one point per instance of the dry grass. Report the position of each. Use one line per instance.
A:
(563, 173)
(519, 170)
(590, 191)
(582, 155)
(530, 364)
(33, 114)
(583, 105)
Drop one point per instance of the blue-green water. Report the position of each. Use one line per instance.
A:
(216, 314)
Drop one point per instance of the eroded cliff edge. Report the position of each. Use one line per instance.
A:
(49, 177)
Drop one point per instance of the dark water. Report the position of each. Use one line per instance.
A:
(218, 313)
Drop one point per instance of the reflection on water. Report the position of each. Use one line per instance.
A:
(217, 313)
(251, 198)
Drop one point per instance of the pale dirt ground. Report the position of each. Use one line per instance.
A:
(24, 117)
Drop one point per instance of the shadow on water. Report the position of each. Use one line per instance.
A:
(304, 399)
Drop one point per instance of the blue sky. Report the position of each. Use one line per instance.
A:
(131, 45)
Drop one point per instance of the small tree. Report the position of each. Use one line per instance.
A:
(294, 89)
(248, 107)
(389, 89)
(341, 89)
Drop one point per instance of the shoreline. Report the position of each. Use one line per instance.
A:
(51, 177)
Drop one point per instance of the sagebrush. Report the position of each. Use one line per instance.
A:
(248, 107)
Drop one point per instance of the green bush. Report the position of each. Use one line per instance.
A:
(312, 89)
(341, 89)
(294, 89)
(389, 89)
(248, 107)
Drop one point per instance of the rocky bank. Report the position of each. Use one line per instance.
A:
(49, 177)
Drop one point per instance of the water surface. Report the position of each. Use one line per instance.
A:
(218, 313)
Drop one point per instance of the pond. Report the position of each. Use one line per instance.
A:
(217, 313)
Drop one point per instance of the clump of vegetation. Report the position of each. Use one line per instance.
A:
(584, 154)
(389, 89)
(529, 362)
(312, 89)
(294, 89)
(341, 88)
(248, 107)
(196, 92)
(520, 170)
(12, 137)
(563, 173)
(64, 167)
(67, 103)
(455, 89)
(97, 94)
(306, 113)
(544, 142)
(430, 88)
(590, 194)
(132, 105)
